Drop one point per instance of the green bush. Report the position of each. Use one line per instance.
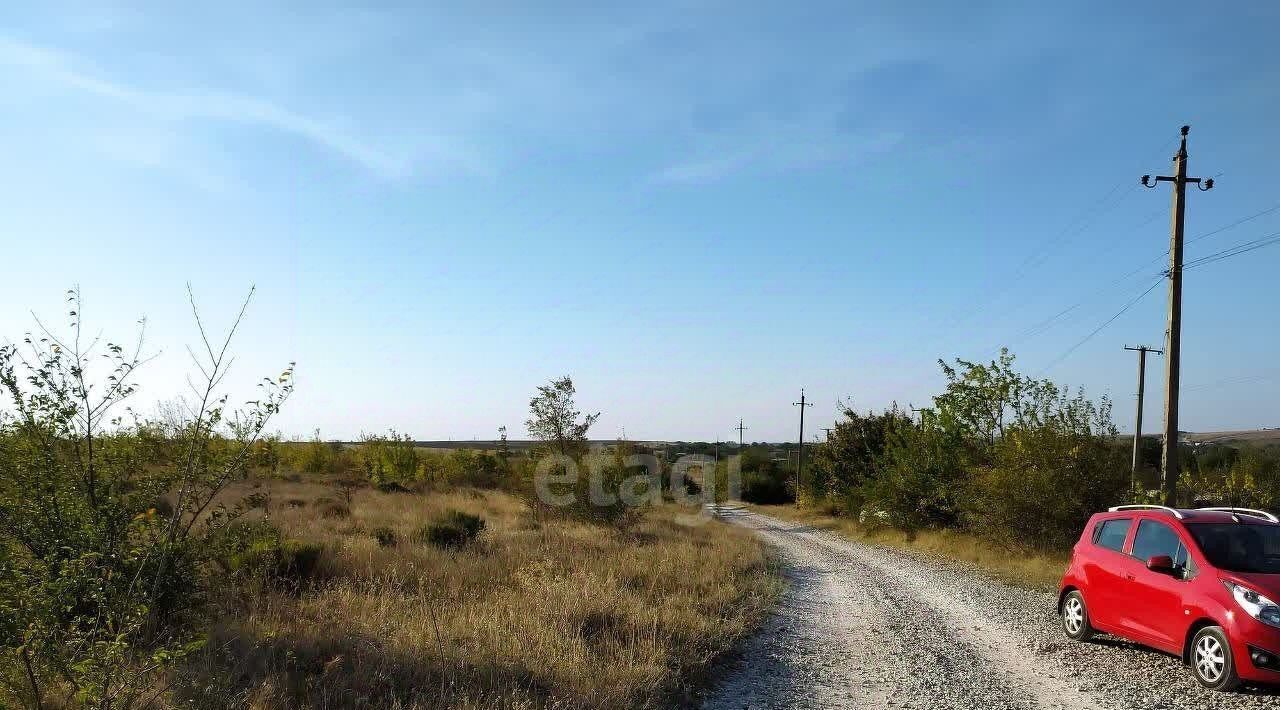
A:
(285, 563)
(766, 487)
(385, 536)
(922, 476)
(453, 529)
(237, 537)
(391, 487)
(1043, 488)
(850, 458)
(106, 526)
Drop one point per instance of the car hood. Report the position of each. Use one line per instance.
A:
(1267, 585)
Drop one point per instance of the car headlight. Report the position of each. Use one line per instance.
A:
(1257, 606)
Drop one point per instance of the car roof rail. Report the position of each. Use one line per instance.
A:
(1251, 512)
(1142, 506)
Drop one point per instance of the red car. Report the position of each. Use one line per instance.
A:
(1196, 583)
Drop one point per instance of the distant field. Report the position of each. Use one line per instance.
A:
(1241, 436)
(1247, 435)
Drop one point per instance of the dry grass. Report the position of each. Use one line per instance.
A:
(1020, 568)
(565, 615)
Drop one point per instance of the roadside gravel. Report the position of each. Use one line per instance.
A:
(862, 626)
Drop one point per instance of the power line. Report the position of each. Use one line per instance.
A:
(1100, 328)
(1080, 223)
(1204, 235)
(1236, 250)
(1233, 225)
(1046, 325)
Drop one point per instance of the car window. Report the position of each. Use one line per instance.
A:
(1239, 547)
(1155, 538)
(1111, 533)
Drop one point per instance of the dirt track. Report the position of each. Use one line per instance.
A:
(865, 627)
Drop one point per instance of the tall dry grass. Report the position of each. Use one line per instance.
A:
(565, 615)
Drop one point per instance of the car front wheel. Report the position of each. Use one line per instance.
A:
(1211, 660)
(1075, 617)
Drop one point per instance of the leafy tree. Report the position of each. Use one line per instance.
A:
(101, 551)
(389, 457)
(555, 420)
(921, 474)
(504, 449)
(981, 398)
(1052, 469)
(850, 458)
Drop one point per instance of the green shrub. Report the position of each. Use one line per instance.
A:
(767, 485)
(256, 500)
(163, 507)
(453, 529)
(288, 563)
(231, 542)
(391, 487)
(385, 536)
(923, 473)
(1043, 487)
(106, 526)
(299, 560)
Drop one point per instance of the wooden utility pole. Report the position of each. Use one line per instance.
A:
(1173, 338)
(828, 430)
(740, 429)
(800, 463)
(1142, 351)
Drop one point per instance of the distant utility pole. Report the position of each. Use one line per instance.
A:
(1173, 344)
(740, 429)
(828, 430)
(800, 464)
(1142, 351)
(921, 411)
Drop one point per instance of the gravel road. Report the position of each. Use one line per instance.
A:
(862, 626)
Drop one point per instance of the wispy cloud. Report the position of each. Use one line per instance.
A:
(772, 148)
(55, 68)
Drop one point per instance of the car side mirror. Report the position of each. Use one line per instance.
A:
(1160, 563)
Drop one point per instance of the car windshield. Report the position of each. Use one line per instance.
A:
(1239, 547)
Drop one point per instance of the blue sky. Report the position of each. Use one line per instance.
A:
(694, 209)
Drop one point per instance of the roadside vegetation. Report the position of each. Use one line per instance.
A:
(1021, 568)
(191, 559)
(1002, 471)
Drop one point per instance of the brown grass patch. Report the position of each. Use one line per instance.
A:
(567, 615)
